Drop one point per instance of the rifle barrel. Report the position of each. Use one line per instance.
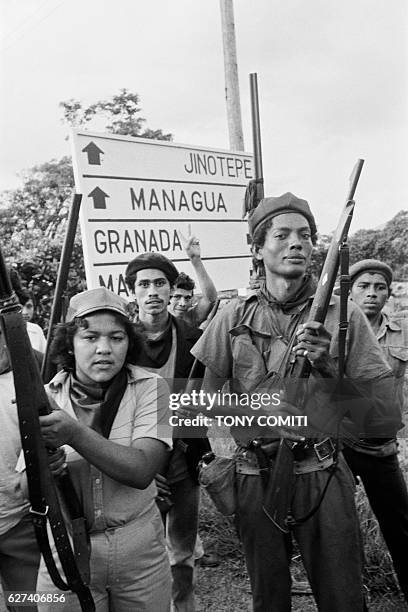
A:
(355, 175)
(256, 126)
(62, 278)
(318, 310)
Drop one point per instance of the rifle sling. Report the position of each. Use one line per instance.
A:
(272, 481)
(111, 403)
(344, 292)
(31, 401)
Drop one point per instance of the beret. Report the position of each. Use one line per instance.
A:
(271, 207)
(370, 265)
(90, 301)
(151, 260)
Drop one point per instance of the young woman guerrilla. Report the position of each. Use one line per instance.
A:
(113, 471)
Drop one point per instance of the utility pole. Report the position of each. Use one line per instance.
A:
(236, 137)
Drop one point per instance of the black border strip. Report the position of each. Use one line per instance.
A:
(125, 263)
(171, 220)
(153, 180)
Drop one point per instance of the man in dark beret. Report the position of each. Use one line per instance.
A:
(150, 278)
(375, 460)
(249, 343)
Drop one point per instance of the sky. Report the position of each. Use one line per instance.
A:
(332, 80)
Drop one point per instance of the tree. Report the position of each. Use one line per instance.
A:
(389, 244)
(121, 113)
(33, 222)
(33, 218)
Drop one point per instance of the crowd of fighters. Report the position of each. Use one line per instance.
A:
(129, 472)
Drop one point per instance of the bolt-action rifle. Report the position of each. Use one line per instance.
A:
(32, 401)
(47, 370)
(278, 491)
(278, 485)
(254, 192)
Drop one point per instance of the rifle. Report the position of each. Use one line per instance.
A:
(32, 401)
(48, 370)
(254, 192)
(255, 189)
(278, 490)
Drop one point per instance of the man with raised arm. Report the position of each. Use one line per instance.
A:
(181, 301)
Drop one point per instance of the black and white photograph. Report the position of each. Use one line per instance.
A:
(204, 306)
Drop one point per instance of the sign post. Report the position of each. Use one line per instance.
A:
(139, 194)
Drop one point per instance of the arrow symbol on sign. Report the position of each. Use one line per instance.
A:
(98, 197)
(94, 154)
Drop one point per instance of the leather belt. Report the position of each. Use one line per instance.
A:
(309, 457)
(309, 450)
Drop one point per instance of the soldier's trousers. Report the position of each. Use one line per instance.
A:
(387, 493)
(329, 543)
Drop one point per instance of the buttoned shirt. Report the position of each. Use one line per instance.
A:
(143, 413)
(14, 502)
(393, 338)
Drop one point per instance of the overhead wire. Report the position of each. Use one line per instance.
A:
(24, 26)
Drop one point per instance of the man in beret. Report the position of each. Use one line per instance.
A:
(375, 460)
(251, 340)
(150, 278)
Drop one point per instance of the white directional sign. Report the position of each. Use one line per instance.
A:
(139, 195)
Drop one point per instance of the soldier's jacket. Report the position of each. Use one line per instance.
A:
(249, 338)
(393, 339)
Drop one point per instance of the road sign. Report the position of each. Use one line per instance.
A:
(139, 194)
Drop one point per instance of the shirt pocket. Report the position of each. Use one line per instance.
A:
(249, 366)
(399, 356)
(11, 494)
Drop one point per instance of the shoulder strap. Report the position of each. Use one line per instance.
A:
(32, 400)
(111, 403)
(344, 292)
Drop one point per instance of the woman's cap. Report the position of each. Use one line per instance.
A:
(90, 301)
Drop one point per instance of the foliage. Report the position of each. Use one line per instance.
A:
(33, 222)
(33, 218)
(319, 254)
(121, 111)
(389, 244)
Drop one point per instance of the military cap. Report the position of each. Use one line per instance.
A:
(371, 265)
(271, 207)
(150, 260)
(88, 302)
